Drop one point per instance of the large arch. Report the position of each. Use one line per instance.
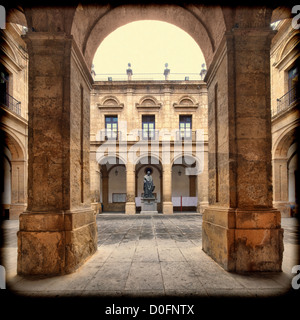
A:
(195, 22)
(285, 140)
(240, 220)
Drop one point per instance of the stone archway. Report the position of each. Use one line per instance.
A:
(194, 22)
(185, 193)
(15, 184)
(142, 164)
(241, 229)
(285, 152)
(112, 184)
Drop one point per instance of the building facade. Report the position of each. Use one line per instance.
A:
(285, 61)
(156, 125)
(14, 121)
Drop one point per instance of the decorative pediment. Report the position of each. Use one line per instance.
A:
(148, 102)
(186, 102)
(111, 103)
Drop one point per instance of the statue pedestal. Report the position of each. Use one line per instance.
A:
(148, 206)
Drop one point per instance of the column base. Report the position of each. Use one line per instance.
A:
(243, 241)
(130, 208)
(96, 207)
(16, 209)
(55, 243)
(284, 207)
(201, 206)
(167, 208)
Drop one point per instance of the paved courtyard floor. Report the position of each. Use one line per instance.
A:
(152, 256)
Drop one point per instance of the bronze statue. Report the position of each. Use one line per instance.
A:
(148, 185)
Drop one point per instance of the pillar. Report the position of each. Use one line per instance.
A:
(202, 185)
(18, 192)
(167, 206)
(280, 186)
(58, 231)
(95, 177)
(130, 207)
(241, 229)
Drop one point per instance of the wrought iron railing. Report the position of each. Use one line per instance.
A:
(285, 101)
(148, 134)
(109, 135)
(10, 103)
(185, 135)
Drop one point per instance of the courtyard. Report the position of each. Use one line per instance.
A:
(151, 256)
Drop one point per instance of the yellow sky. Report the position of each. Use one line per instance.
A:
(148, 45)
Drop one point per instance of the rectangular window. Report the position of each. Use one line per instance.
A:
(111, 127)
(148, 127)
(185, 127)
(293, 78)
(4, 87)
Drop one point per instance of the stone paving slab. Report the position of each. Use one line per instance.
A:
(151, 256)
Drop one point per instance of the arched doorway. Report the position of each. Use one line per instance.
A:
(13, 176)
(5, 181)
(185, 193)
(285, 172)
(143, 165)
(293, 178)
(112, 184)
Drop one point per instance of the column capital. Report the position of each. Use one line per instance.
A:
(59, 44)
(130, 167)
(167, 167)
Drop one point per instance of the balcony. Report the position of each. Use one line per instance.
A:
(285, 102)
(149, 135)
(10, 103)
(110, 135)
(185, 135)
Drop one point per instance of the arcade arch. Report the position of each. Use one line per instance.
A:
(240, 209)
(13, 177)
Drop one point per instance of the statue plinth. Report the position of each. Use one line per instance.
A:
(148, 205)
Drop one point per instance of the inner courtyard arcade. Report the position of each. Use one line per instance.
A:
(224, 146)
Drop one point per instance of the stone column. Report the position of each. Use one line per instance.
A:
(202, 185)
(130, 207)
(18, 192)
(280, 186)
(241, 229)
(58, 231)
(167, 206)
(94, 179)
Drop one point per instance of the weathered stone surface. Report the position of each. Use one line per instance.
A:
(258, 249)
(52, 243)
(58, 230)
(243, 241)
(241, 230)
(40, 253)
